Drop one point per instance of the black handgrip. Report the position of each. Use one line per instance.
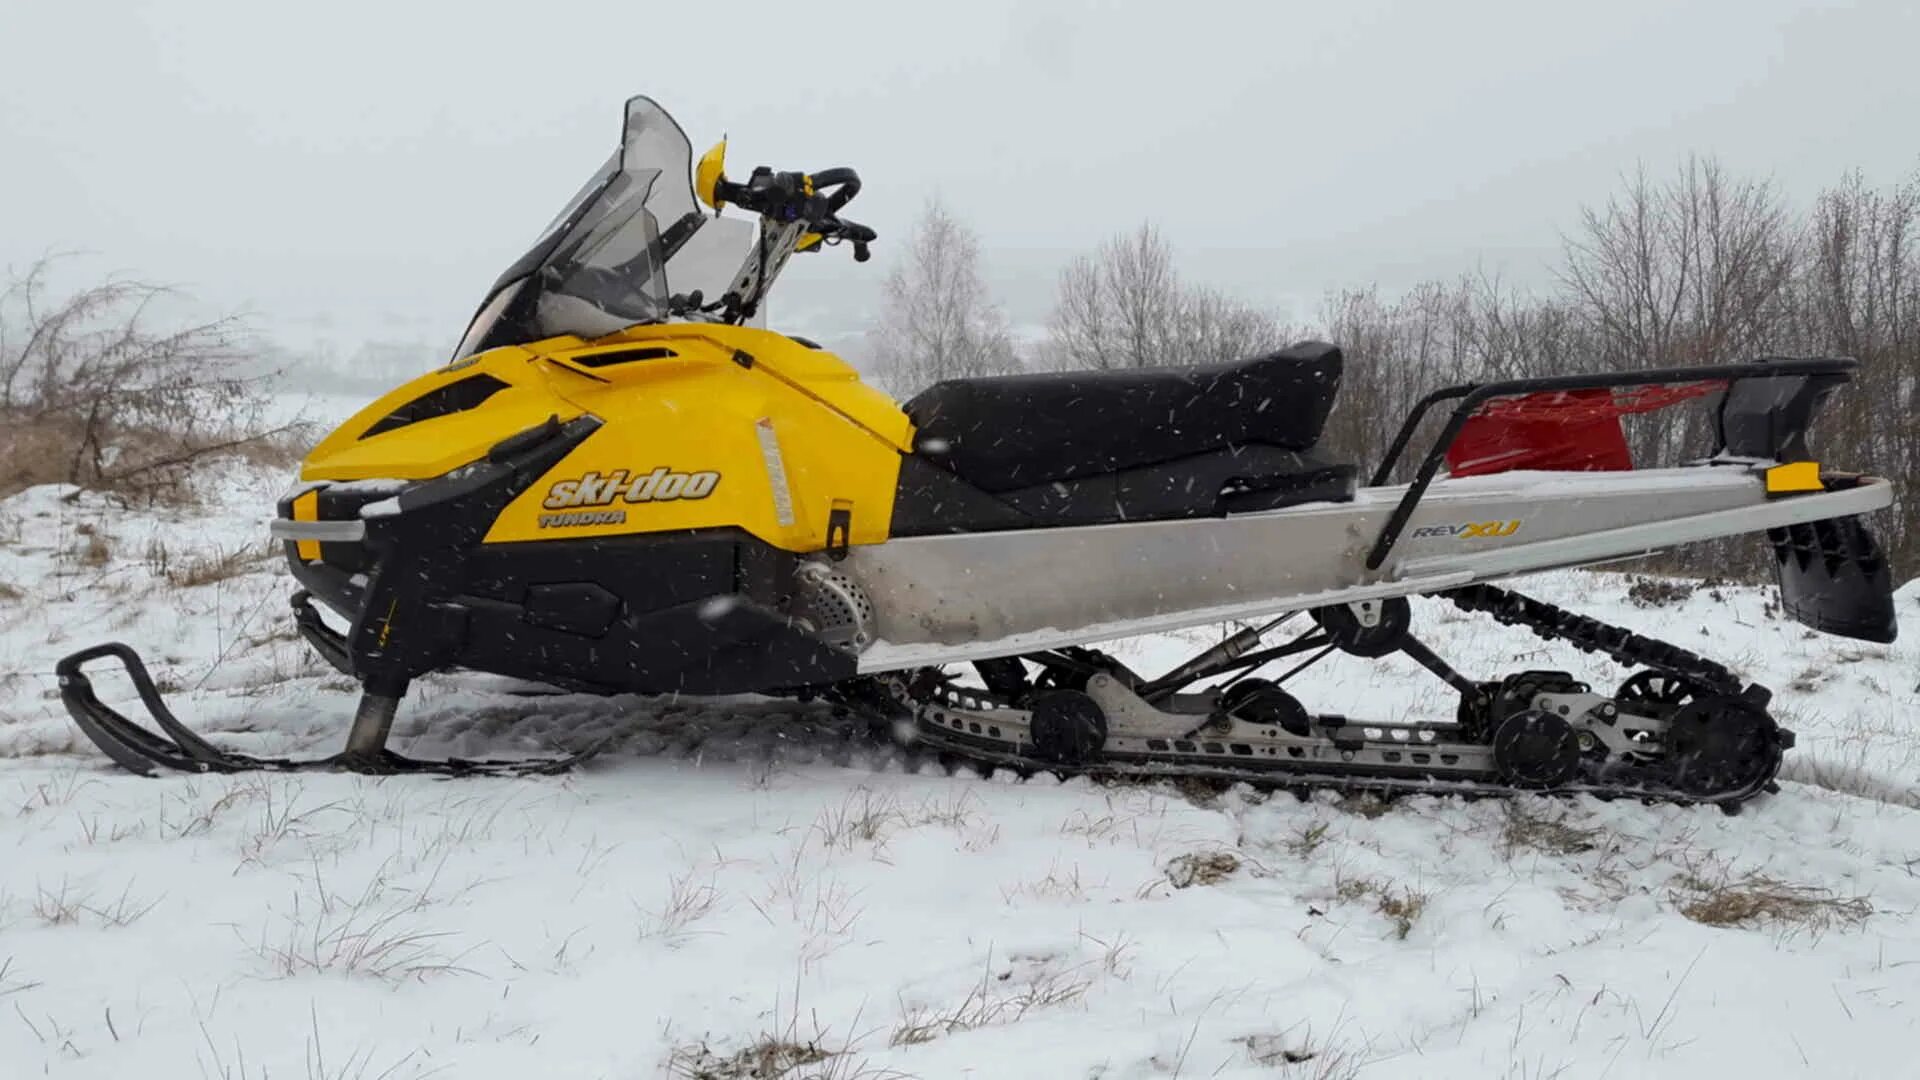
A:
(859, 235)
(843, 178)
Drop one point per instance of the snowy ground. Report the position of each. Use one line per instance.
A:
(725, 894)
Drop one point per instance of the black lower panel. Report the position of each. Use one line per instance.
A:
(694, 613)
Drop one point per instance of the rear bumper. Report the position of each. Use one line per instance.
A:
(406, 566)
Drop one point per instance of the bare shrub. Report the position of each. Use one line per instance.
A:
(95, 392)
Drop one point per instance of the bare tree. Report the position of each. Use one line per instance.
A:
(938, 321)
(1683, 272)
(1857, 293)
(1690, 271)
(1127, 308)
(93, 393)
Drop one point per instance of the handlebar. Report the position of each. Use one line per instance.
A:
(841, 177)
(812, 198)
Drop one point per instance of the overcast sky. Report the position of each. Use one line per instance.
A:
(376, 164)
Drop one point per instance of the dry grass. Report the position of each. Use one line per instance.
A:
(65, 906)
(765, 1059)
(366, 935)
(864, 818)
(9, 592)
(1299, 1059)
(988, 1004)
(1202, 868)
(1646, 592)
(11, 984)
(788, 1055)
(1307, 840)
(1403, 909)
(93, 550)
(1756, 900)
(1366, 804)
(1401, 906)
(688, 901)
(1527, 826)
(207, 569)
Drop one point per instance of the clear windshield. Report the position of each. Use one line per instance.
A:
(626, 242)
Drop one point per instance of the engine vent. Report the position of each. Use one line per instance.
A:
(624, 356)
(452, 398)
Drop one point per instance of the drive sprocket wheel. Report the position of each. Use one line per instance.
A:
(1723, 745)
(1656, 688)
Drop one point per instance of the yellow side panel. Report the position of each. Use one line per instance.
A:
(739, 428)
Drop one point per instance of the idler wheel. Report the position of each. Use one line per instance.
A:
(1259, 701)
(1536, 750)
(1068, 727)
(1722, 745)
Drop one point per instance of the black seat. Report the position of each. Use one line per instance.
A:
(1007, 432)
(1090, 447)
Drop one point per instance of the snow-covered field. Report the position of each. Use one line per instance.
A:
(727, 893)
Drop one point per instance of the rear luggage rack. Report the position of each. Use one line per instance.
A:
(1750, 425)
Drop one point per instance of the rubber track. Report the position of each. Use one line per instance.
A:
(1507, 607)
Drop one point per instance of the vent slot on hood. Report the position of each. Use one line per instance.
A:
(624, 356)
(452, 398)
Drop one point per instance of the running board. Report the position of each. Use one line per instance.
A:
(941, 599)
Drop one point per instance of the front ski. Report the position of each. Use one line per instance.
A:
(178, 748)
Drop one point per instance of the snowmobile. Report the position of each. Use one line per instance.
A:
(622, 482)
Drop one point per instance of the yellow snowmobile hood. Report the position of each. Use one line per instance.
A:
(791, 438)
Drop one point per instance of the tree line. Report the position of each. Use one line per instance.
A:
(1698, 266)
